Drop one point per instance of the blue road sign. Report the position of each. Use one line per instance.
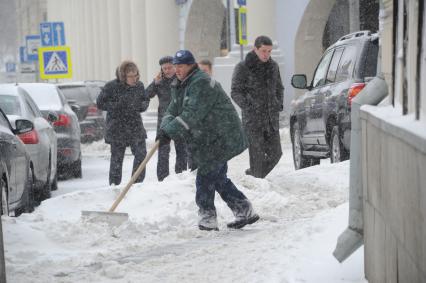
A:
(52, 33)
(33, 43)
(242, 2)
(55, 62)
(23, 54)
(10, 67)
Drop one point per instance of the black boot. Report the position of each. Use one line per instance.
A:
(241, 222)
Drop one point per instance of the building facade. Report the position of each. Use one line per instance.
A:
(394, 152)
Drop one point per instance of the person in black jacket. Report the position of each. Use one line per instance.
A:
(160, 87)
(259, 92)
(124, 99)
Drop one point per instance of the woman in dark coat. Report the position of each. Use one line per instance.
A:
(124, 99)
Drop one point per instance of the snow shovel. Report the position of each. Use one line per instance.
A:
(116, 218)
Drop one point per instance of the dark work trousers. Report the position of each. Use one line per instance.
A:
(264, 151)
(138, 148)
(216, 180)
(163, 159)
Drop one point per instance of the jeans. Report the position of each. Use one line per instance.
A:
(217, 181)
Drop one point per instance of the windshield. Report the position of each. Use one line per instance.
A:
(45, 96)
(77, 93)
(10, 104)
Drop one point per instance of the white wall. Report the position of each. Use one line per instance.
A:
(261, 19)
(288, 14)
(102, 33)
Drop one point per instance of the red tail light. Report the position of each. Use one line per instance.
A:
(354, 90)
(29, 138)
(63, 120)
(92, 110)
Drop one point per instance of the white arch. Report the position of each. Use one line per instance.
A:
(308, 44)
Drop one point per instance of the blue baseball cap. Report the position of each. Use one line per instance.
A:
(183, 57)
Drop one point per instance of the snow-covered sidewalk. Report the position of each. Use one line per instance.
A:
(302, 213)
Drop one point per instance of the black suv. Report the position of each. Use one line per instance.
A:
(320, 120)
(91, 119)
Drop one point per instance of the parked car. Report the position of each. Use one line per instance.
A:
(50, 99)
(84, 94)
(16, 176)
(41, 142)
(320, 121)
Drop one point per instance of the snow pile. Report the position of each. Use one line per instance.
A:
(302, 212)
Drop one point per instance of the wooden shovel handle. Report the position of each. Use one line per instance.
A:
(135, 176)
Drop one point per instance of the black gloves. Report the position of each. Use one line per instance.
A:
(163, 138)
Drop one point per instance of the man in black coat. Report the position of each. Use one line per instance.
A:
(124, 99)
(258, 91)
(160, 87)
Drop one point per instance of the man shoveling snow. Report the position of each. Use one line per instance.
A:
(202, 114)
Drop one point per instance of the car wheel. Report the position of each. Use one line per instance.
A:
(301, 161)
(4, 202)
(45, 190)
(54, 183)
(337, 150)
(76, 169)
(28, 200)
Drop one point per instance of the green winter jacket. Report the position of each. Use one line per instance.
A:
(202, 114)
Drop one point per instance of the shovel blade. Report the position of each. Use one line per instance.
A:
(112, 218)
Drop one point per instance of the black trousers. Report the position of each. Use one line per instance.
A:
(163, 159)
(138, 148)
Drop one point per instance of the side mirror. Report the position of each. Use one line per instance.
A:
(75, 108)
(52, 117)
(299, 81)
(23, 126)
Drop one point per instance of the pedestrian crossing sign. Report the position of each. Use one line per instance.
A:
(55, 62)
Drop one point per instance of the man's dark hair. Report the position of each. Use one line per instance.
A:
(262, 40)
(206, 62)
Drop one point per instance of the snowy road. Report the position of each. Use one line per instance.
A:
(302, 213)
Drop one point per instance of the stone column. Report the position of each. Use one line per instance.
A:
(114, 36)
(354, 15)
(126, 28)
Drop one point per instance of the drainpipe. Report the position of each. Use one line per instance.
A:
(352, 238)
(374, 92)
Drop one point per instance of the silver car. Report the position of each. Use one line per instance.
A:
(50, 99)
(41, 142)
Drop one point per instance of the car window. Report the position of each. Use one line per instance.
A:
(31, 104)
(370, 63)
(77, 93)
(3, 120)
(319, 77)
(30, 110)
(46, 98)
(10, 105)
(347, 63)
(332, 70)
(94, 92)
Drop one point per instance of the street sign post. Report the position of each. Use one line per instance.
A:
(52, 33)
(242, 25)
(55, 62)
(23, 54)
(32, 44)
(242, 29)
